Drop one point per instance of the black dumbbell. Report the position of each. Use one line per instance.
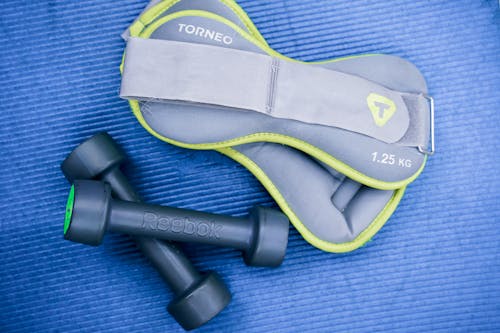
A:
(198, 296)
(262, 236)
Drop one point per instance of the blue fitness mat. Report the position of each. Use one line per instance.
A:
(434, 267)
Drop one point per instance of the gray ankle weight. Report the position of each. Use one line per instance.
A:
(335, 143)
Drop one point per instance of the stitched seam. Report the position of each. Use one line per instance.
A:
(273, 81)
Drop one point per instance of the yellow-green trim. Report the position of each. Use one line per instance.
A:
(243, 16)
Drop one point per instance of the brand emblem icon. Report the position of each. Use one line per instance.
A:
(381, 107)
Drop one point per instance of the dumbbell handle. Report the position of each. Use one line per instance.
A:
(178, 224)
(173, 266)
(120, 185)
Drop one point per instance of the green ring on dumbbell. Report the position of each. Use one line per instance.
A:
(69, 208)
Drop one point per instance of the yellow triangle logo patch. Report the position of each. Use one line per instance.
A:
(381, 107)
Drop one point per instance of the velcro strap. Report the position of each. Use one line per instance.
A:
(163, 70)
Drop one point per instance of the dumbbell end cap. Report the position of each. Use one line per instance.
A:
(93, 157)
(87, 212)
(200, 303)
(270, 239)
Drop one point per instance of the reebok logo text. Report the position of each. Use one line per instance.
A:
(182, 225)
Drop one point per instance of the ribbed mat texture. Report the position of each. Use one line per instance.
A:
(435, 266)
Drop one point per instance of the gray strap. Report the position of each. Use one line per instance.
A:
(163, 70)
